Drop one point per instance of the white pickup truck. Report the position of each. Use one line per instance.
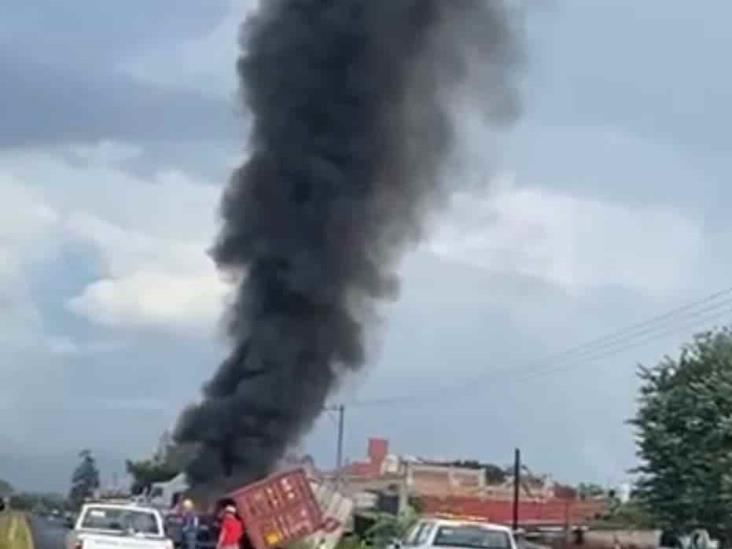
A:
(457, 534)
(118, 526)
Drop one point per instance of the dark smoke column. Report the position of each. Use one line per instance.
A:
(349, 102)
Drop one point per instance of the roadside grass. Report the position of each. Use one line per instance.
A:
(14, 531)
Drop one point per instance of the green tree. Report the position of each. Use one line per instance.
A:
(168, 461)
(387, 528)
(5, 488)
(85, 479)
(633, 515)
(684, 436)
(29, 501)
(23, 501)
(145, 472)
(587, 490)
(493, 473)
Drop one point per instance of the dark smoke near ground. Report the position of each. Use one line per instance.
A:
(350, 104)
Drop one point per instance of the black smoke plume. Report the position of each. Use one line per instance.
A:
(350, 104)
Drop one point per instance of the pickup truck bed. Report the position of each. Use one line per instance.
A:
(118, 526)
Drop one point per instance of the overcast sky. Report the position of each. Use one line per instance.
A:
(119, 125)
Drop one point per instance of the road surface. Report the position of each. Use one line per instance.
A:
(47, 534)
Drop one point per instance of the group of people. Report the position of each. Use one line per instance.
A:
(231, 528)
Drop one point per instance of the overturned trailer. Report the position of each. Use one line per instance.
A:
(288, 506)
(284, 507)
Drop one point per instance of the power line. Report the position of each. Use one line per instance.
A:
(651, 328)
(674, 329)
(607, 345)
(664, 316)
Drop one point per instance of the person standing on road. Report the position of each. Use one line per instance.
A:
(189, 525)
(231, 530)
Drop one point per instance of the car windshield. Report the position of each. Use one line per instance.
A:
(122, 520)
(471, 536)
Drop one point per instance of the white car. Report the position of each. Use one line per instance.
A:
(118, 526)
(458, 534)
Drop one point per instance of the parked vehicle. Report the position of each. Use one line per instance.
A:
(118, 526)
(457, 534)
(696, 539)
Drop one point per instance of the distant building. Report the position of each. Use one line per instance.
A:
(387, 481)
(382, 470)
(377, 453)
(426, 478)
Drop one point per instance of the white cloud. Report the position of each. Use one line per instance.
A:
(104, 152)
(153, 298)
(203, 64)
(62, 345)
(169, 204)
(137, 405)
(578, 243)
(124, 249)
(27, 226)
(149, 280)
(26, 217)
(151, 236)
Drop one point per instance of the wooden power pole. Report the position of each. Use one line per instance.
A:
(516, 487)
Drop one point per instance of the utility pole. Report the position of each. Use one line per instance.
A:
(516, 485)
(339, 450)
(341, 411)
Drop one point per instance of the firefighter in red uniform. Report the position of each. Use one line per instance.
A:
(231, 530)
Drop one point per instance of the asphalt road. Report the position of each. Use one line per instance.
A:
(47, 534)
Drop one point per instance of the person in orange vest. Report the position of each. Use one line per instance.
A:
(231, 530)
